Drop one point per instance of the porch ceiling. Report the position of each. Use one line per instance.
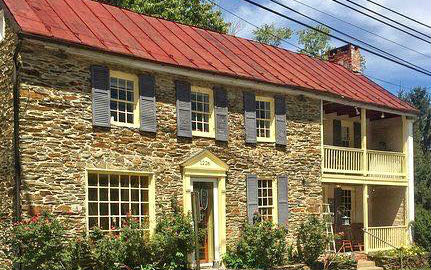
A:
(340, 109)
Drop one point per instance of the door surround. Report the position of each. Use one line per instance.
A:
(205, 166)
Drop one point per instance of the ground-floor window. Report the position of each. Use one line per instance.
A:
(265, 199)
(112, 197)
(346, 203)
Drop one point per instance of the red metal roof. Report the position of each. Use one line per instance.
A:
(121, 31)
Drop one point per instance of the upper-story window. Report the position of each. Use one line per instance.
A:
(124, 99)
(265, 128)
(113, 197)
(202, 112)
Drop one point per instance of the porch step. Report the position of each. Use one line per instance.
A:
(367, 265)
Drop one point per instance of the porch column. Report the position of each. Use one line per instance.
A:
(409, 171)
(364, 140)
(365, 214)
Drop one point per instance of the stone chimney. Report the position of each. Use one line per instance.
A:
(348, 56)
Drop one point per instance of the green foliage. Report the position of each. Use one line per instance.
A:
(422, 228)
(335, 261)
(315, 43)
(272, 35)
(193, 12)
(174, 240)
(261, 245)
(5, 230)
(413, 257)
(41, 242)
(311, 240)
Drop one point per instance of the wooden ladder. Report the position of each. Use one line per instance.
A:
(328, 218)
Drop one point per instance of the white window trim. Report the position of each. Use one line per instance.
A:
(151, 193)
(136, 111)
(272, 122)
(211, 130)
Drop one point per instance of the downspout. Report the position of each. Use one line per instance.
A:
(16, 103)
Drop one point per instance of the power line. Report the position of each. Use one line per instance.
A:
(254, 25)
(335, 37)
(361, 28)
(379, 20)
(400, 14)
(350, 36)
(387, 18)
(285, 40)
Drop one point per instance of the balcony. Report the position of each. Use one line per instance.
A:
(360, 145)
(351, 161)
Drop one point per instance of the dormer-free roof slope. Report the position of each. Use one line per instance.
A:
(115, 30)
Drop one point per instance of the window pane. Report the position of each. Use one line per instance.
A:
(134, 181)
(135, 195)
(124, 180)
(115, 209)
(114, 180)
(92, 194)
(124, 195)
(103, 180)
(92, 222)
(114, 195)
(144, 195)
(145, 209)
(104, 209)
(135, 209)
(93, 209)
(92, 179)
(103, 194)
(124, 209)
(104, 223)
(144, 182)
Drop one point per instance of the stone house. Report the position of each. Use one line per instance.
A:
(106, 112)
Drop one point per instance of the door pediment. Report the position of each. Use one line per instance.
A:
(204, 161)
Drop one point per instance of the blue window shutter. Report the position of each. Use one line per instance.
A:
(100, 91)
(280, 120)
(221, 114)
(252, 200)
(250, 117)
(283, 202)
(147, 100)
(184, 109)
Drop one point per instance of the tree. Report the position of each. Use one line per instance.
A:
(316, 44)
(272, 35)
(194, 12)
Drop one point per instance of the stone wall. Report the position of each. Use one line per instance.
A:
(7, 49)
(58, 142)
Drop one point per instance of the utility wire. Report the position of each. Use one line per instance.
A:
(361, 28)
(400, 14)
(387, 18)
(285, 40)
(254, 25)
(379, 20)
(337, 38)
(350, 36)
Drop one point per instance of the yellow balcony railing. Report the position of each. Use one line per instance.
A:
(346, 160)
(388, 237)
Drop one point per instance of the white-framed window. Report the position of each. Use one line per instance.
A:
(114, 196)
(202, 112)
(345, 136)
(347, 203)
(265, 125)
(2, 25)
(124, 99)
(265, 199)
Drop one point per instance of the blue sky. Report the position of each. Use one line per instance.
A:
(376, 67)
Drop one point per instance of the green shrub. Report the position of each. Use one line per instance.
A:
(422, 228)
(261, 245)
(413, 257)
(41, 243)
(311, 241)
(173, 240)
(337, 261)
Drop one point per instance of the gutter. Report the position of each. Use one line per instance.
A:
(17, 158)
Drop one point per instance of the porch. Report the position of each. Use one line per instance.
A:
(368, 217)
(363, 144)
